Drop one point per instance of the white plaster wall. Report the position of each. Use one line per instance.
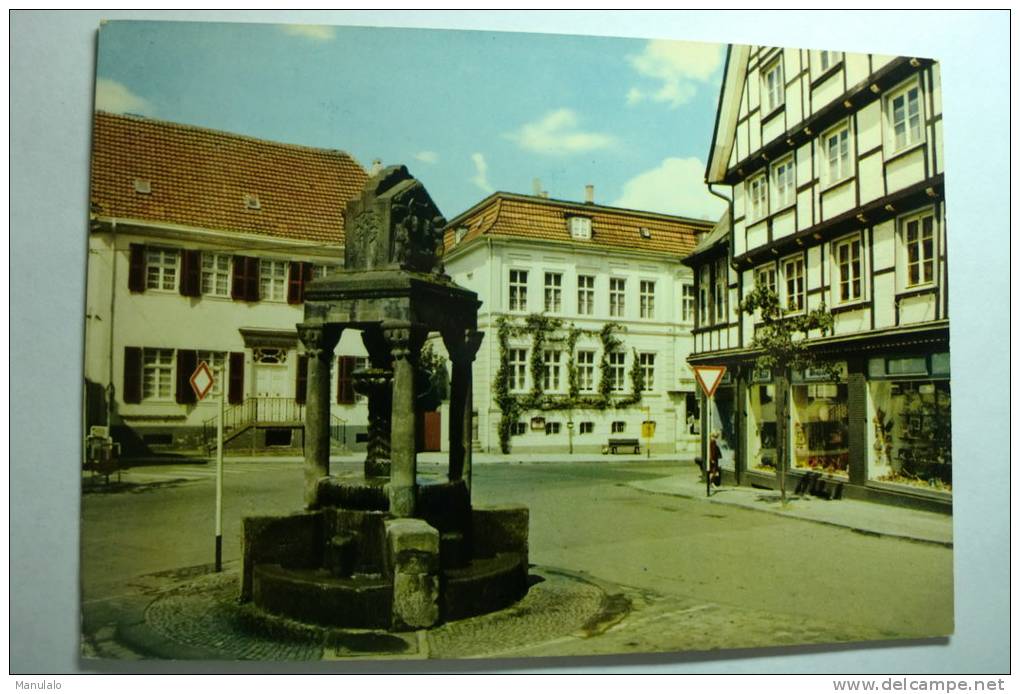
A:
(869, 126)
(838, 199)
(905, 170)
(785, 223)
(851, 322)
(870, 179)
(917, 309)
(884, 300)
(826, 91)
(856, 66)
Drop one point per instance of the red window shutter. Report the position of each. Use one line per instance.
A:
(187, 362)
(132, 375)
(136, 273)
(235, 392)
(301, 387)
(345, 381)
(237, 283)
(252, 279)
(295, 283)
(191, 273)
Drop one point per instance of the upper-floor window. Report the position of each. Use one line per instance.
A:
(551, 371)
(647, 299)
(616, 371)
(585, 295)
(580, 227)
(772, 89)
(518, 361)
(719, 291)
(647, 362)
(903, 115)
(618, 427)
(766, 276)
(161, 268)
(157, 374)
(836, 153)
(215, 274)
(704, 285)
(686, 302)
(918, 232)
(273, 280)
(846, 255)
(784, 191)
(617, 296)
(586, 371)
(518, 290)
(553, 292)
(793, 283)
(826, 59)
(757, 197)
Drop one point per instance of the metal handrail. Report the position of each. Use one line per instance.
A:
(338, 429)
(255, 410)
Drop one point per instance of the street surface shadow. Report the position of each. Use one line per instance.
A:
(131, 487)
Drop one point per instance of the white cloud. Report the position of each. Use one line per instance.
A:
(114, 97)
(557, 134)
(427, 157)
(676, 186)
(677, 66)
(314, 32)
(481, 177)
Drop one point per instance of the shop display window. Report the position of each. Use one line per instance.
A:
(724, 421)
(820, 427)
(910, 433)
(761, 427)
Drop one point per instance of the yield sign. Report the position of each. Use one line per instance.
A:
(202, 380)
(709, 378)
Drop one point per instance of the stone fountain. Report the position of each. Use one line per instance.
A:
(387, 550)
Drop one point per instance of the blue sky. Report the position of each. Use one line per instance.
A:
(468, 112)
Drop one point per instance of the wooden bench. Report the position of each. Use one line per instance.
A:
(614, 445)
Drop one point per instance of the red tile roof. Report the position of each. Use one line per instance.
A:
(200, 178)
(508, 214)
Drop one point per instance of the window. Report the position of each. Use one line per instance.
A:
(217, 362)
(616, 375)
(704, 283)
(586, 371)
(585, 295)
(647, 299)
(518, 429)
(553, 292)
(160, 268)
(617, 294)
(720, 291)
(903, 114)
(827, 59)
(846, 255)
(686, 302)
(836, 148)
(784, 187)
(273, 280)
(319, 271)
(518, 369)
(647, 362)
(157, 374)
(772, 86)
(580, 227)
(757, 197)
(215, 274)
(793, 284)
(766, 276)
(587, 427)
(552, 428)
(919, 239)
(551, 370)
(619, 427)
(518, 290)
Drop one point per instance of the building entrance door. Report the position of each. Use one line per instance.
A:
(270, 392)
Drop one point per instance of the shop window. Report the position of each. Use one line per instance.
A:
(820, 427)
(911, 433)
(761, 427)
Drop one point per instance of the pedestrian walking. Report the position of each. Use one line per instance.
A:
(714, 454)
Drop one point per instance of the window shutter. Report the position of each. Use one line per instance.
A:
(295, 283)
(252, 279)
(191, 273)
(235, 392)
(136, 273)
(187, 362)
(301, 388)
(345, 381)
(237, 283)
(132, 375)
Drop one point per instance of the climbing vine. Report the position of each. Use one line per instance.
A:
(546, 330)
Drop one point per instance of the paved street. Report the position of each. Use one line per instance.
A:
(689, 573)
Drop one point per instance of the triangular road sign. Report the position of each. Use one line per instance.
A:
(709, 378)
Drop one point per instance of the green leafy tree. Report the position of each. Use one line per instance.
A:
(781, 341)
(432, 381)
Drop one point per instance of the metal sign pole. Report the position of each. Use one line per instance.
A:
(219, 486)
(708, 457)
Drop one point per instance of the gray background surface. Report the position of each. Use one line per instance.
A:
(52, 65)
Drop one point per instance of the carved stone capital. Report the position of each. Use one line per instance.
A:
(404, 339)
(317, 338)
(462, 345)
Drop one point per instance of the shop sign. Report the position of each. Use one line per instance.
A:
(647, 429)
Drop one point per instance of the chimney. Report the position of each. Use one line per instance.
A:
(536, 187)
(376, 167)
(589, 194)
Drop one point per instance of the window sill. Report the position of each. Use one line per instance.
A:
(916, 290)
(853, 305)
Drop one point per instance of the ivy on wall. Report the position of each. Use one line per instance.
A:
(545, 330)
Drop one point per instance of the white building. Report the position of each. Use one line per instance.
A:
(199, 248)
(834, 165)
(548, 268)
